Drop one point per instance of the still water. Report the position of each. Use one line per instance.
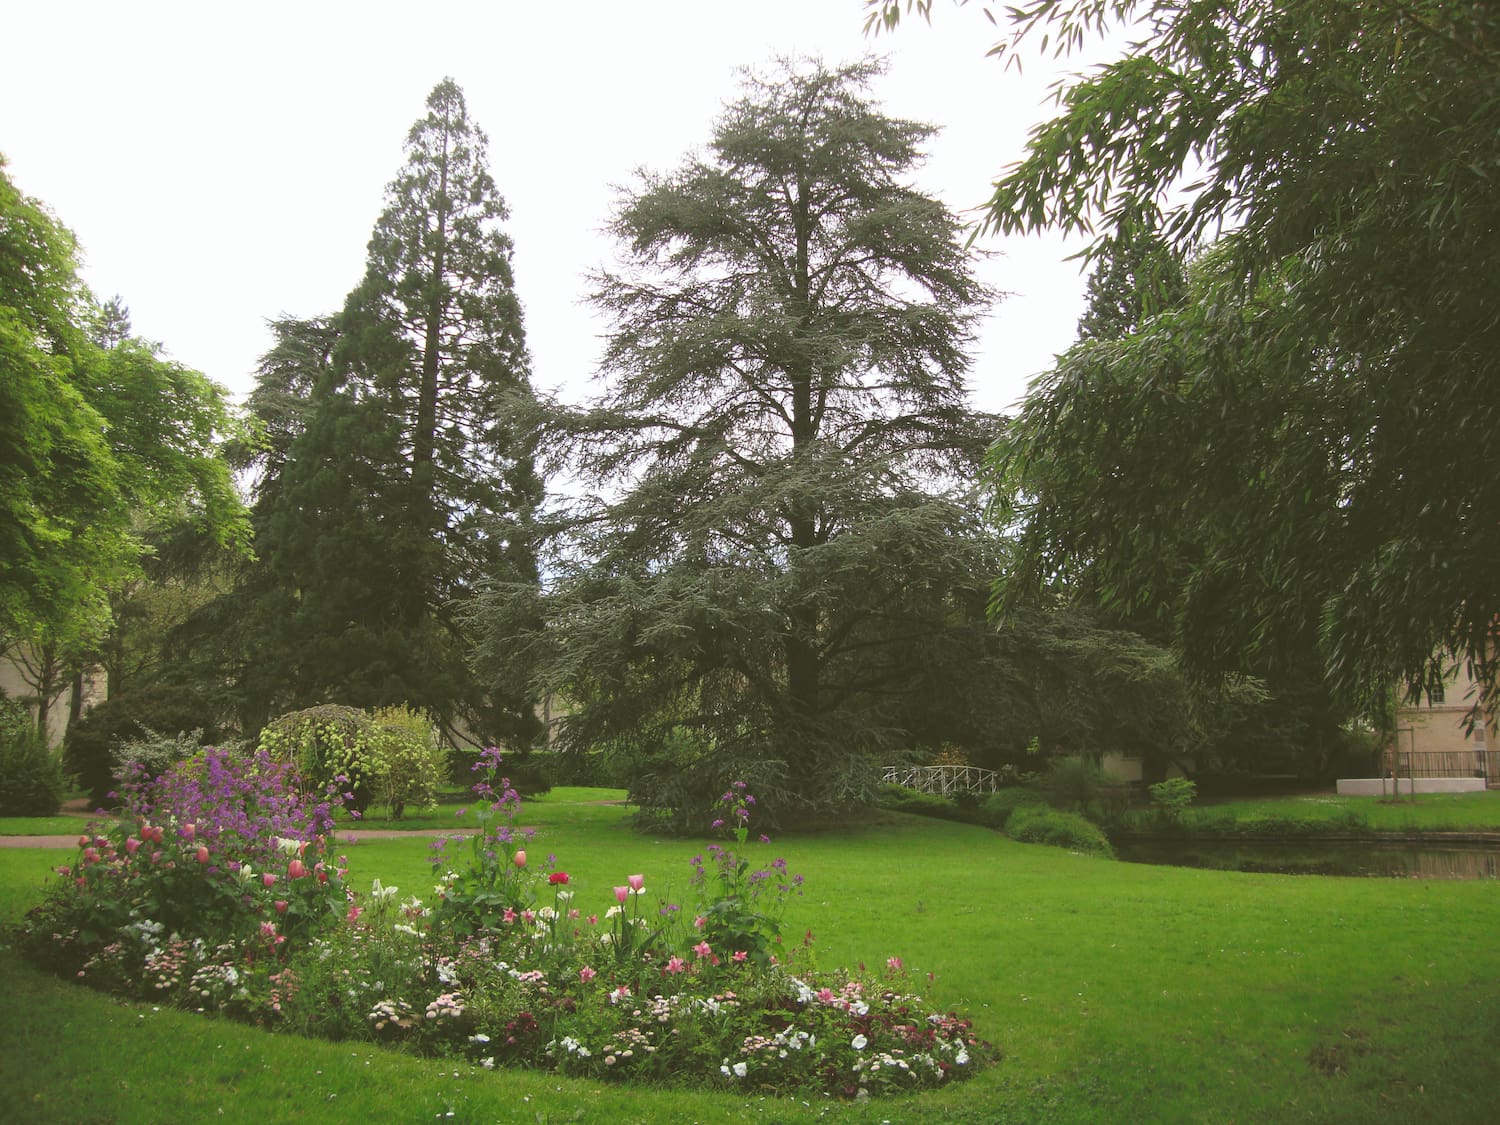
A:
(1400, 861)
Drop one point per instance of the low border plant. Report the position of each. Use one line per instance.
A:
(236, 911)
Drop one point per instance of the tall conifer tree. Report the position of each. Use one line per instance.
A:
(409, 483)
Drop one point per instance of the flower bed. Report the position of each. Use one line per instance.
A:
(217, 892)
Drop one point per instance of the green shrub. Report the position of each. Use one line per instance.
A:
(325, 743)
(1172, 797)
(999, 806)
(31, 776)
(407, 760)
(156, 753)
(1073, 783)
(898, 798)
(1039, 825)
(90, 744)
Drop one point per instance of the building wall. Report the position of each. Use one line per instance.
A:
(14, 685)
(1438, 725)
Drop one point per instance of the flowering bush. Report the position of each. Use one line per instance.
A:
(243, 916)
(215, 850)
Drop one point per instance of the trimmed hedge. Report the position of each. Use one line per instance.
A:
(1041, 825)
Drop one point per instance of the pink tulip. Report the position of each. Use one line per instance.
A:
(297, 869)
(189, 830)
(636, 882)
(131, 845)
(90, 855)
(202, 853)
(519, 859)
(622, 893)
(268, 880)
(281, 906)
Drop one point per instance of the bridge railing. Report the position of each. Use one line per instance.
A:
(943, 780)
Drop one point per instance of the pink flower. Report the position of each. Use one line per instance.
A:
(637, 882)
(622, 893)
(593, 919)
(280, 906)
(586, 974)
(83, 841)
(131, 845)
(509, 916)
(268, 880)
(893, 963)
(528, 916)
(699, 922)
(740, 955)
(202, 853)
(321, 872)
(702, 949)
(297, 869)
(90, 855)
(354, 913)
(676, 965)
(189, 830)
(519, 859)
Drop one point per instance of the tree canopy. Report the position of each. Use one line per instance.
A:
(103, 441)
(391, 476)
(1322, 418)
(773, 528)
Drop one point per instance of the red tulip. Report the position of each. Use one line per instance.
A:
(202, 853)
(557, 877)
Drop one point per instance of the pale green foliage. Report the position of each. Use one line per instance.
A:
(409, 759)
(326, 743)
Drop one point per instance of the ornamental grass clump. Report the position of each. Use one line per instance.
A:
(512, 962)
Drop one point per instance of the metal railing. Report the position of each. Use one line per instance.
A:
(1451, 763)
(945, 780)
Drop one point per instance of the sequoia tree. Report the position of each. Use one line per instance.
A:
(775, 536)
(398, 479)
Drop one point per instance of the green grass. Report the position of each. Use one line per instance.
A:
(1432, 812)
(565, 802)
(41, 825)
(1117, 992)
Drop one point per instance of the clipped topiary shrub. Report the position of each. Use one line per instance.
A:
(328, 742)
(31, 776)
(1041, 825)
(408, 760)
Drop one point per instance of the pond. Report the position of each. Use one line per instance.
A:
(1403, 860)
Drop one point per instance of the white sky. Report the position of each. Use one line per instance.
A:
(224, 165)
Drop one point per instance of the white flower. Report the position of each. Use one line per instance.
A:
(859, 1043)
(740, 1070)
(962, 1058)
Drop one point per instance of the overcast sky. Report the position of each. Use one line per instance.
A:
(224, 165)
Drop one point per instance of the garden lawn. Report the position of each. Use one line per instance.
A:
(1117, 992)
(1428, 812)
